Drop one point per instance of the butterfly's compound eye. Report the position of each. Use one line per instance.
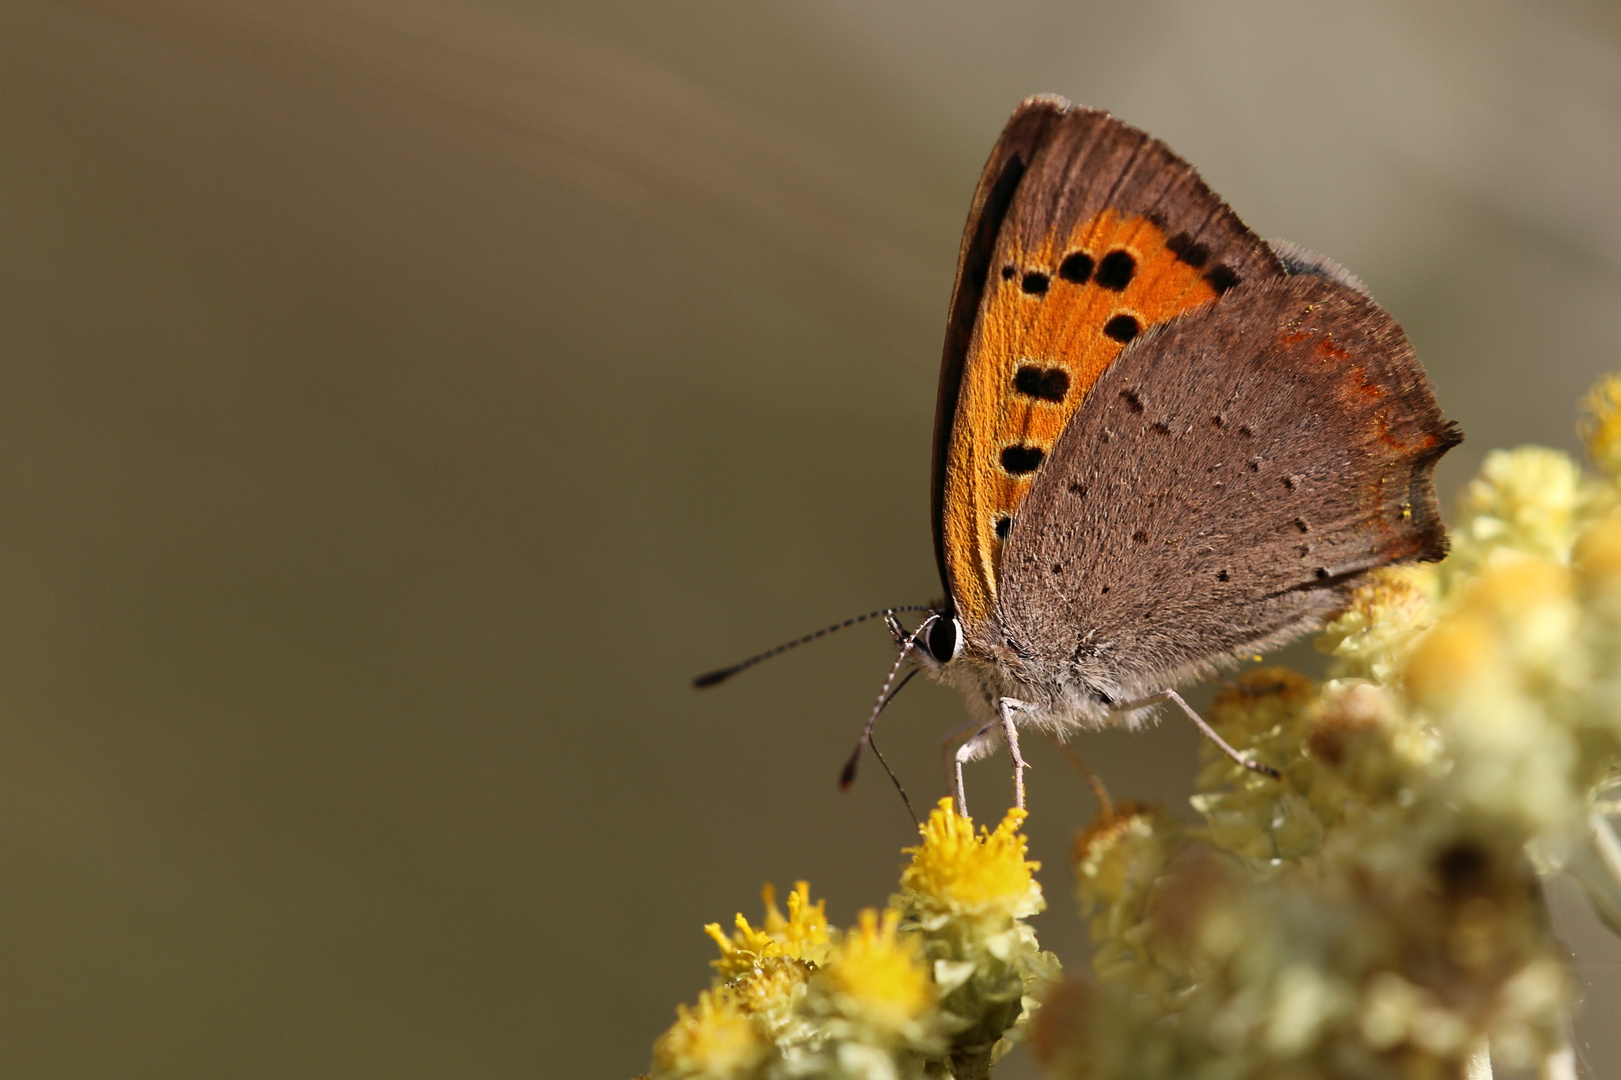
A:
(944, 640)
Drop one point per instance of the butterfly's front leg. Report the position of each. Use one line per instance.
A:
(954, 753)
(1010, 731)
(1005, 707)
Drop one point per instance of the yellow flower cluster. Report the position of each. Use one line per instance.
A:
(937, 984)
(968, 896)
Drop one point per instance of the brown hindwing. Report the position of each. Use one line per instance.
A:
(1085, 233)
(1224, 481)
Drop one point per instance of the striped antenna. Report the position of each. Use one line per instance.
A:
(720, 675)
(908, 642)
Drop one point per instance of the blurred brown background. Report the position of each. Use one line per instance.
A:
(401, 401)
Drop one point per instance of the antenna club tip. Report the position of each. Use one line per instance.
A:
(711, 678)
(847, 775)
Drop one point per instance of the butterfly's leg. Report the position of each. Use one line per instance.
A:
(1099, 792)
(1199, 722)
(954, 756)
(1010, 731)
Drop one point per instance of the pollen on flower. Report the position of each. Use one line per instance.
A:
(1518, 610)
(960, 871)
(1450, 659)
(1094, 842)
(803, 935)
(881, 971)
(1253, 706)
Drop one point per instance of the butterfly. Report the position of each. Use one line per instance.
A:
(1161, 443)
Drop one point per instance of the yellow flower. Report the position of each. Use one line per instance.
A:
(772, 996)
(1600, 426)
(744, 951)
(959, 871)
(715, 1041)
(878, 976)
(803, 935)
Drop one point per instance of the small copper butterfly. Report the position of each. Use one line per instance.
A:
(1161, 443)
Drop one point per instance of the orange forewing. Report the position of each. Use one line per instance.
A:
(1057, 329)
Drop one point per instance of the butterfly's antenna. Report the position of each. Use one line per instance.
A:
(720, 675)
(893, 694)
(848, 776)
(892, 777)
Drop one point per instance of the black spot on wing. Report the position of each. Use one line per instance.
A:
(1045, 384)
(1034, 283)
(1115, 270)
(1221, 277)
(1019, 460)
(1122, 328)
(1076, 268)
(1188, 250)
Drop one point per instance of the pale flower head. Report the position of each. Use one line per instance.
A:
(1526, 500)
(1387, 612)
(715, 1040)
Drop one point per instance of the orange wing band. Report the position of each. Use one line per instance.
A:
(1051, 321)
